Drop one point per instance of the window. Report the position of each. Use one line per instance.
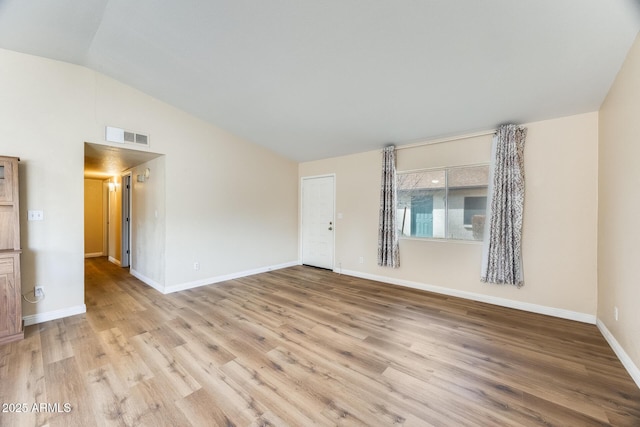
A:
(447, 203)
(473, 206)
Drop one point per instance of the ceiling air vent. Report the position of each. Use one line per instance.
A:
(122, 136)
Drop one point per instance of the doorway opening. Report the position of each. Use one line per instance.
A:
(109, 200)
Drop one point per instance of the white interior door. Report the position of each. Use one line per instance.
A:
(318, 223)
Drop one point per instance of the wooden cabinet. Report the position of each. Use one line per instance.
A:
(10, 286)
(10, 298)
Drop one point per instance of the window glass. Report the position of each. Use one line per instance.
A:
(474, 205)
(421, 204)
(443, 203)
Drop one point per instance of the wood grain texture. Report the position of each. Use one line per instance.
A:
(303, 346)
(10, 277)
(9, 204)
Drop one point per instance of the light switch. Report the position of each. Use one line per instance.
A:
(35, 215)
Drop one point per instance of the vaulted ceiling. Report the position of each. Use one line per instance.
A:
(314, 79)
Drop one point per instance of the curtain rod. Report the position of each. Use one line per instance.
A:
(449, 139)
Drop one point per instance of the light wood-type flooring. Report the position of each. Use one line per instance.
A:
(302, 346)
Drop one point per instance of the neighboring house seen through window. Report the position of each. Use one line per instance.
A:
(474, 205)
(448, 203)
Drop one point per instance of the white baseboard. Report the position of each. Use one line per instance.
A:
(503, 302)
(34, 319)
(631, 367)
(223, 278)
(94, 255)
(115, 261)
(155, 285)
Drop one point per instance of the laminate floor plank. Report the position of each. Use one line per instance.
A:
(303, 346)
(66, 385)
(160, 404)
(113, 403)
(229, 397)
(28, 370)
(287, 405)
(201, 410)
(335, 391)
(55, 343)
(162, 363)
(125, 359)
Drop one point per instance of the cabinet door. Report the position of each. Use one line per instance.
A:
(9, 206)
(10, 309)
(6, 181)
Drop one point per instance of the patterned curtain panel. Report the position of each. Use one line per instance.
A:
(388, 253)
(502, 252)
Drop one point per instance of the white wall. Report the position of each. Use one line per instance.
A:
(216, 183)
(619, 209)
(559, 227)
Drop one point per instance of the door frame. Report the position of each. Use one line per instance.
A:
(300, 211)
(126, 212)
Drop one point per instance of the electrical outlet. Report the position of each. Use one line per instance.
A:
(38, 291)
(361, 260)
(615, 313)
(196, 266)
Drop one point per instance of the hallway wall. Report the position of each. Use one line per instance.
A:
(94, 219)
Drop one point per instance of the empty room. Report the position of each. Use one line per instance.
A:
(245, 213)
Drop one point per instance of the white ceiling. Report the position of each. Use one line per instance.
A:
(314, 79)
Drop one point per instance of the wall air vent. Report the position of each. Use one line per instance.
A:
(122, 136)
(142, 139)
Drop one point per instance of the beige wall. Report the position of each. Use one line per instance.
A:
(619, 207)
(231, 205)
(148, 225)
(115, 220)
(45, 116)
(559, 227)
(93, 217)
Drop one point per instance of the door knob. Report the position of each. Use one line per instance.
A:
(330, 228)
